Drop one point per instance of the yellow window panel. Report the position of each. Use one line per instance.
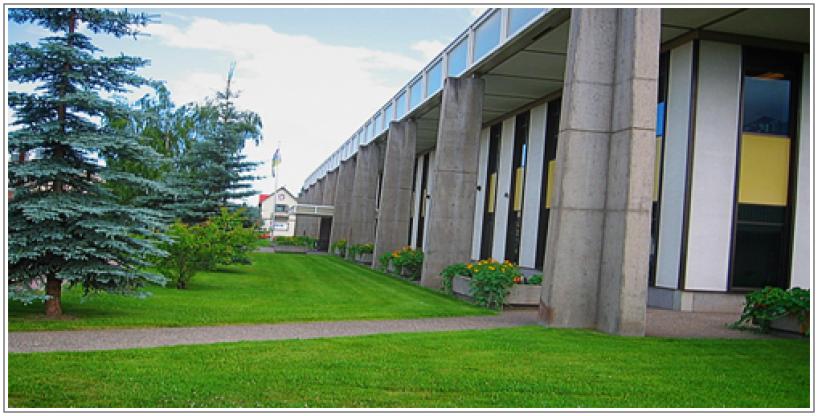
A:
(656, 166)
(518, 189)
(764, 172)
(549, 189)
(492, 191)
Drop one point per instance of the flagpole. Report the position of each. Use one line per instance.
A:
(276, 175)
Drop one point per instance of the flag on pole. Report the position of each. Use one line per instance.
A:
(276, 161)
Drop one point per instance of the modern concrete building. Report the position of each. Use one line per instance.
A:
(635, 156)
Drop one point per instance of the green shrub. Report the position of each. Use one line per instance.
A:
(221, 240)
(766, 305)
(297, 240)
(406, 259)
(339, 248)
(356, 249)
(535, 279)
(452, 270)
(187, 253)
(490, 281)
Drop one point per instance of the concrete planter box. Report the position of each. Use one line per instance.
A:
(519, 295)
(291, 249)
(790, 324)
(364, 258)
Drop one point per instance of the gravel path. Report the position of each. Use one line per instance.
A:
(109, 339)
(660, 323)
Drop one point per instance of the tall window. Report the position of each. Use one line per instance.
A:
(661, 117)
(763, 214)
(490, 188)
(514, 228)
(552, 127)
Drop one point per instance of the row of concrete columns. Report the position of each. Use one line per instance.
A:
(595, 274)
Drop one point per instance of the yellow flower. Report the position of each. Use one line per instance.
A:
(469, 266)
(491, 267)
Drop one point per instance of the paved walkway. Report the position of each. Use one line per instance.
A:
(109, 339)
(660, 323)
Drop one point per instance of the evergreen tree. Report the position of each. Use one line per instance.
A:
(214, 172)
(65, 223)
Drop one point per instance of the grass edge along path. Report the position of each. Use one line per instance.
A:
(276, 288)
(516, 367)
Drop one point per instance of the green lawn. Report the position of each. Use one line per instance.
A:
(518, 367)
(275, 288)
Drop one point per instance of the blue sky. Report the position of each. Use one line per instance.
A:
(314, 75)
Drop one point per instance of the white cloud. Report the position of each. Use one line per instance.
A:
(311, 95)
(428, 48)
(477, 11)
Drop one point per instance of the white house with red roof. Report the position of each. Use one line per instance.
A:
(275, 212)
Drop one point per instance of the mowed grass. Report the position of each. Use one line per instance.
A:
(517, 367)
(275, 288)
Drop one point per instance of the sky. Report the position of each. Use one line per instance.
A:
(314, 75)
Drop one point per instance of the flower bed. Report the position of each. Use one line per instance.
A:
(776, 308)
(492, 284)
(295, 244)
(361, 253)
(339, 248)
(406, 262)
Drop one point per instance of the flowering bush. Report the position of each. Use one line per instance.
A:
(406, 261)
(339, 248)
(490, 280)
(355, 250)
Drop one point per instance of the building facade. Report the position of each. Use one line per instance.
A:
(276, 214)
(637, 157)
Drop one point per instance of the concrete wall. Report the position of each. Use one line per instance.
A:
(596, 260)
(343, 198)
(674, 168)
(451, 213)
(714, 164)
(364, 193)
(800, 274)
(396, 190)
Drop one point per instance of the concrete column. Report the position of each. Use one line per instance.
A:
(364, 193)
(331, 181)
(450, 213)
(343, 196)
(596, 260)
(301, 222)
(316, 197)
(396, 189)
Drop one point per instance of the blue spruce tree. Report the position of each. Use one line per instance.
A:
(66, 226)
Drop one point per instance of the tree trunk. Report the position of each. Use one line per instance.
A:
(53, 305)
(181, 284)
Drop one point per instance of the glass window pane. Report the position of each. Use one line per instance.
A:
(487, 36)
(388, 115)
(766, 105)
(434, 78)
(400, 105)
(457, 59)
(415, 93)
(519, 17)
(378, 122)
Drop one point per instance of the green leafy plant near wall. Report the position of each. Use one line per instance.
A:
(356, 249)
(298, 240)
(406, 261)
(490, 280)
(771, 303)
(339, 248)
